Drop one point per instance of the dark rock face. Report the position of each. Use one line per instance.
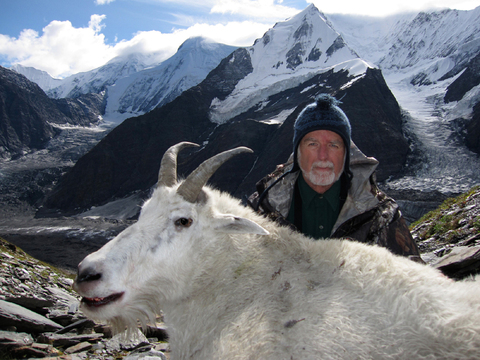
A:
(466, 131)
(128, 159)
(465, 82)
(377, 124)
(295, 56)
(469, 128)
(222, 80)
(472, 138)
(83, 110)
(337, 45)
(24, 110)
(26, 114)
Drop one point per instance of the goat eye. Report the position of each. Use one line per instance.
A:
(183, 222)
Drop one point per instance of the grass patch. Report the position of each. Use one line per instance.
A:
(437, 222)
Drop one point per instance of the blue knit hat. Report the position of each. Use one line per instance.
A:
(323, 114)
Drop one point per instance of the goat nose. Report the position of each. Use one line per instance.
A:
(87, 275)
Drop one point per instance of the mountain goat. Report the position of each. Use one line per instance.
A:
(233, 285)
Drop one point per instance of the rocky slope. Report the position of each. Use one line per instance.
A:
(449, 237)
(39, 317)
(29, 118)
(24, 109)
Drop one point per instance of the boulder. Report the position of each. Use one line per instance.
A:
(460, 262)
(25, 320)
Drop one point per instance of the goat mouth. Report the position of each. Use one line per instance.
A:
(101, 301)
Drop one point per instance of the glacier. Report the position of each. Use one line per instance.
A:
(426, 46)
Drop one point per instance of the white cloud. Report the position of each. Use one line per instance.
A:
(233, 33)
(62, 49)
(95, 23)
(263, 9)
(103, 2)
(384, 8)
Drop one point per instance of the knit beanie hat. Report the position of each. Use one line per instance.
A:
(323, 114)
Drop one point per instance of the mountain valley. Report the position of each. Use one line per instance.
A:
(409, 85)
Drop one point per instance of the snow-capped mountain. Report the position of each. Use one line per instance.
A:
(289, 54)
(142, 91)
(41, 78)
(427, 45)
(421, 55)
(137, 83)
(251, 98)
(97, 80)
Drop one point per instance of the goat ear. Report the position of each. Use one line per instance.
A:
(238, 225)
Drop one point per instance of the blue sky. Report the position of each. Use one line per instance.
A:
(64, 37)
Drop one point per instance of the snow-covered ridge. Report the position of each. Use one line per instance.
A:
(420, 55)
(430, 42)
(41, 78)
(137, 83)
(96, 81)
(250, 91)
(431, 36)
(142, 91)
(289, 54)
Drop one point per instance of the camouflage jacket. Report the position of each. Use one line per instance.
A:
(368, 215)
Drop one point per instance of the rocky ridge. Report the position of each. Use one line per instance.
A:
(39, 317)
(449, 237)
(29, 119)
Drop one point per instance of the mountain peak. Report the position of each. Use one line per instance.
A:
(41, 78)
(289, 53)
(144, 90)
(307, 40)
(197, 42)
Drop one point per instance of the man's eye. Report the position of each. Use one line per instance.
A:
(183, 222)
(336, 145)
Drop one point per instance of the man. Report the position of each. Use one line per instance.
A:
(327, 189)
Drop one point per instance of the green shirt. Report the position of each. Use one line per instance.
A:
(319, 211)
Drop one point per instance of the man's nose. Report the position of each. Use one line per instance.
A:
(322, 152)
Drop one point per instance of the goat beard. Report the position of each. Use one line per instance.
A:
(318, 176)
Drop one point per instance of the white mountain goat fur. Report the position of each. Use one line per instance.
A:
(234, 285)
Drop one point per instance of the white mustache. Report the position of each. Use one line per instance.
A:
(322, 164)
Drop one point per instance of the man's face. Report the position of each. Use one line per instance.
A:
(321, 156)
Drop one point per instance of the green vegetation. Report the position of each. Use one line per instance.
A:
(446, 218)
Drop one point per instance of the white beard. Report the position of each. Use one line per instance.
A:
(323, 177)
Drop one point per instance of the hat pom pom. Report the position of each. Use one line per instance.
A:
(325, 102)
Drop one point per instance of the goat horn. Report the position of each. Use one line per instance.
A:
(167, 175)
(192, 186)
